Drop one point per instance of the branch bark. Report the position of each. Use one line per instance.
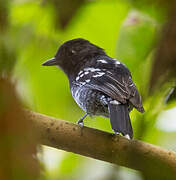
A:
(153, 161)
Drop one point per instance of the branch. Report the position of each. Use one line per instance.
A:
(153, 161)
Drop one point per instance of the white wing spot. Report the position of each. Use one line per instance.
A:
(92, 69)
(115, 102)
(81, 75)
(80, 72)
(99, 74)
(102, 61)
(77, 78)
(88, 80)
(86, 72)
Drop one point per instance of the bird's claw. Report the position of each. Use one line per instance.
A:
(127, 136)
(81, 124)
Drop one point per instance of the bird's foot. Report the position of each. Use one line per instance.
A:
(127, 136)
(80, 123)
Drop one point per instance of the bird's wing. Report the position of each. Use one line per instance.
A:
(118, 86)
(113, 87)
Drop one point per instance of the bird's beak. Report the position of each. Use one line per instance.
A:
(50, 62)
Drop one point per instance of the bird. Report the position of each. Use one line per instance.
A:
(100, 84)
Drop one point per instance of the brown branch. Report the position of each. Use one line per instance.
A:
(153, 161)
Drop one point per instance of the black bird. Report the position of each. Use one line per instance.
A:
(100, 85)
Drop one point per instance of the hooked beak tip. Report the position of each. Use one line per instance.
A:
(50, 62)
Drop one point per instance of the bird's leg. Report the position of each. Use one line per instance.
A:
(80, 122)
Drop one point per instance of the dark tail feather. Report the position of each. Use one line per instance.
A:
(120, 120)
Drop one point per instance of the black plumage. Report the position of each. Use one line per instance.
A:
(100, 85)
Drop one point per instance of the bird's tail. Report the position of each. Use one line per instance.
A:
(120, 120)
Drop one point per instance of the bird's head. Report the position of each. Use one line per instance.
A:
(73, 54)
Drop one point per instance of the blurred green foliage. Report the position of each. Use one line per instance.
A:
(127, 30)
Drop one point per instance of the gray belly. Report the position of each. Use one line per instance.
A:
(91, 101)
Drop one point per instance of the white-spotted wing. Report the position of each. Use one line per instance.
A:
(116, 82)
